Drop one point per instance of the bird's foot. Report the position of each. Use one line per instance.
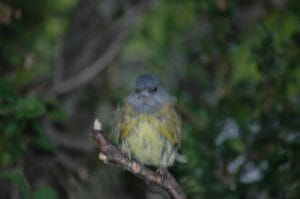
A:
(163, 172)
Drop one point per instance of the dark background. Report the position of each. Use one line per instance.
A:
(233, 66)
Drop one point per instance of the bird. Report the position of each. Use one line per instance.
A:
(147, 127)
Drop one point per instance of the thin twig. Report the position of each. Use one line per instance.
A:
(93, 70)
(111, 154)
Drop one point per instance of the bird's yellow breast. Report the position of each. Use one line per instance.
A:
(146, 144)
(150, 138)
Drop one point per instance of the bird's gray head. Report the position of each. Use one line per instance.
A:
(148, 95)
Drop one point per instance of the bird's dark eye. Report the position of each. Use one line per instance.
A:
(153, 90)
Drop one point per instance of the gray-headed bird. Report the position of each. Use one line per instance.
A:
(147, 127)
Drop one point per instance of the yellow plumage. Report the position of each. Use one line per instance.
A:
(150, 138)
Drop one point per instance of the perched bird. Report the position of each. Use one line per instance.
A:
(147, 126)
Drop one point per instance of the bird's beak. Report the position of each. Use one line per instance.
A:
(145, 93)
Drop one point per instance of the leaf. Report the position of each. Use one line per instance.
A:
(29, 108)
(43, 144)
(45, 192)
(58, 115)
(8, 98)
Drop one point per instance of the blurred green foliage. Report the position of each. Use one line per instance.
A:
(238, 93)
(20, 120)
(17, 177)
(29, 35)
(237, 74)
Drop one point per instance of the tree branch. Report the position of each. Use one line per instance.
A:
(111, 154)
(123, 27)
